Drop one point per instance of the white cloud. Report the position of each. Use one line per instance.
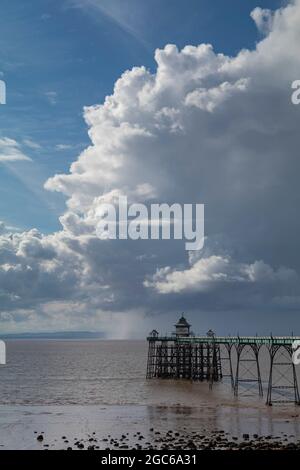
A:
(32, 144)
(51, 97)
(10, 151)
(63, 146)
(263, 18)
(45, 16)
(209, 99)
(204, 273)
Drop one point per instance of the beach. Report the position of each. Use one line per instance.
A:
(144, 427)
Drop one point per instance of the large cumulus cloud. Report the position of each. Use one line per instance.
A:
(205, 128)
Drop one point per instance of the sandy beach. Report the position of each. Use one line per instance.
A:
(162, 427)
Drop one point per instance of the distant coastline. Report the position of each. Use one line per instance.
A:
(55, 335)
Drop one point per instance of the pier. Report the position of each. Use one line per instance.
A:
(236, 359)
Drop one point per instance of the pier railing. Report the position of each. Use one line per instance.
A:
(267, 340)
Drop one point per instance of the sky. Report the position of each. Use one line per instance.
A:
(160, 100)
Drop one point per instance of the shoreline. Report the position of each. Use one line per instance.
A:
(146, 427)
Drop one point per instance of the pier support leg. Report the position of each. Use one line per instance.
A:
(151, 360)
(247, 355)
(226, 361)
(282, 376)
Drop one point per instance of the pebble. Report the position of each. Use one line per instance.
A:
(171, 440)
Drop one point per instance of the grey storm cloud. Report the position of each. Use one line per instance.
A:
(204, 128)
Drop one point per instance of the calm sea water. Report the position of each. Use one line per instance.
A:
(51, 372)
(81, 372)
(73, 372)
(76, 387)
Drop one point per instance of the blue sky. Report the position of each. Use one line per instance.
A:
(58, 56)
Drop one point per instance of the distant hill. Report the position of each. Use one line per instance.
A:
(54, 335)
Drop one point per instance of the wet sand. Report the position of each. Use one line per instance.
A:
(147, 427)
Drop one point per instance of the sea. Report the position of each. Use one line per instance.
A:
(74, 388)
